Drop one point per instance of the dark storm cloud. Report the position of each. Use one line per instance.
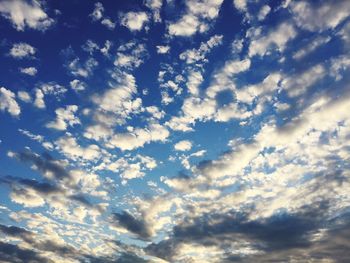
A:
(132, 224)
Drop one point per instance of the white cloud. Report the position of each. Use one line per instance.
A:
(319, 17)
(130, 55)
(155, 6)
(22, 50)
(25, 14)
(24, 96)
(339, 65)
(264, 11)
(31, 71)
(163, 49)
(39, 99)
(196, 19)
(108, 23)
(64, 117)
(73, 150)
(138, 137)
(97, 13)
(82, 70)
(135, 21)
(241, 5)
(199, 55)
(50, 88)
(277, 38)
(8, 102)
(310, 47)
(298, 84)
(77, 85)
(183, 146)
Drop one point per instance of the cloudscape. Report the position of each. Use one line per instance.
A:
(179, 131)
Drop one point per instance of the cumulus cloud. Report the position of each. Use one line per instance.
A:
(319, 16)
(24, 14)
(163, 49)
(277, 38)
(22, 50)
(196, 19)
(31, 71)
(64, 117)
(8, 102)
(134, 21)
(184, 145)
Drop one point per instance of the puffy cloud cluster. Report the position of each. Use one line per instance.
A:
(24, 14)
(196, 19)
(8, 102)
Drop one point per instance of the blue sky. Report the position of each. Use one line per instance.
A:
(174, 131)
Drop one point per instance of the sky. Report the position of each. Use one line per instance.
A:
(174, 131)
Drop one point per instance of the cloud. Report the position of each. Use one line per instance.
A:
(49, 167)
(31, 71)
(77, 85)
(130, 55)
(22, 50)
(319, 16)
(196, 19)
(134, 21)
(184, 145)
(193, 56)
(277, 38)
(50, 88)
(132, 224)
(98, 15)
(155, 6)
(8, 102)
(73, 150)
(64, 117)
(163, 49)
(24, 14)
(264, 11)
(24, 96)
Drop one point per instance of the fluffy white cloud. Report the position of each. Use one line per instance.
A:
(31, 71)
(299, 83)
(130, 55)
(163, 49)
(97, 13)
(196, 19)
(199, 55)
(264, 11)
(73, 150)
(23, 13)
(241, 5)
(24, 96)
(319, 16)
(39, 99)
(64, 117)
(76, 68)
(22, 50)
(8, 102)
(135, 21)
(139, 137)
(276, 38)
(183, 146)
(77, 85)
(50, 88)
(155, 6)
